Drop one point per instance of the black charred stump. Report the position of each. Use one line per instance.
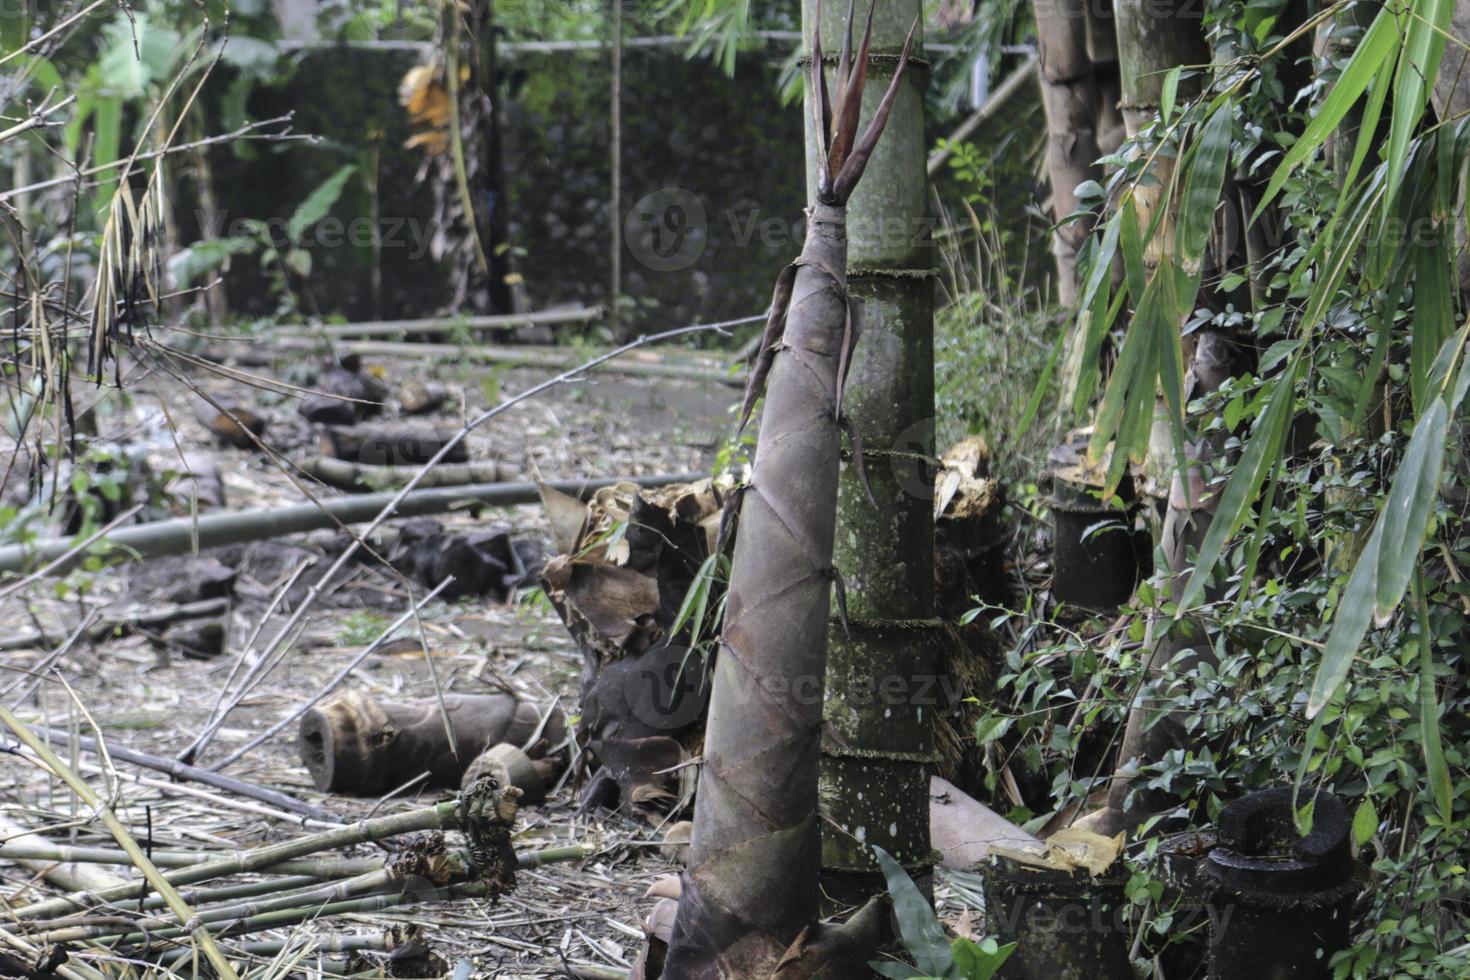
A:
(1067, 925)
(1097, 558)
(1279, 902)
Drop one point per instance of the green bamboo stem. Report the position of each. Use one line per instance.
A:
(317, 944)
(197, 897)
(444, 816)
(879, 712)
(114, 826)
(281, 918)
(319, 895)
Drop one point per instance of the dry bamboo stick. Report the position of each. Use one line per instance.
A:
(62, 872)
(532, 357)
(388, 328)
(154, 879)
(179, 770)
(182, 535)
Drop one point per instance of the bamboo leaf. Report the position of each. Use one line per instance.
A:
(1436, 769)
(917, 925)
(1377, 45)
(1418, 66)
(318, 203)
(1260, 455)
(1433, 314)
(1405, 516)
(1349, 625)
(1202, 189)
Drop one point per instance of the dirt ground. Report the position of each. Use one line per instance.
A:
(562, 918)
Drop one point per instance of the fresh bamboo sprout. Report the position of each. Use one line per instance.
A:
(751, 885)
(114, 826)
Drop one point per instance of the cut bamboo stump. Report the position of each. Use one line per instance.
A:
(421, 397)
(232, 422)
(357, 745)
(509, 766)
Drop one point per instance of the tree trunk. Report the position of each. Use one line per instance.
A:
(881, 695)
(751, 886)
(1072, 99)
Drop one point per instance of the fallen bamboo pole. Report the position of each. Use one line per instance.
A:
(444, 816)
(128, 624)
(179, 535)
(369, 884)
(534, 357)
(61, 872)
(187, 773)
(1002, 94)
(389, 328)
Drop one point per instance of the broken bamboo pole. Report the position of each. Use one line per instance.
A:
(179, 535)
(547, 358)
(64, 873)
(390, 328)
(444, 816)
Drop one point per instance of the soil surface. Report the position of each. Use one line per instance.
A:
(577, 919)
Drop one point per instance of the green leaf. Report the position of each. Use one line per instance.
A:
(1405, 516)
(1436, 769)
(1354, 610)
(1202, 189)
(989, 729)
(318, 203)
(979, 961)
(918, 927)
(1365, 822)
(188, 266)
(1377, 45)
(1169, 94)
(1418, 67)
(1260, 455)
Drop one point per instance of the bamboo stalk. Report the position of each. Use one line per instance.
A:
(998, 98)
(316, 944)
(178, 536)
(114, 826)
(751, 885)
(389, 328)
(532, 357)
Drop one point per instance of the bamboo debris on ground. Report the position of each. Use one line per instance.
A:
(182, 535)
(181, 771)
(444, 816)
(153, 879)
(65, 873)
